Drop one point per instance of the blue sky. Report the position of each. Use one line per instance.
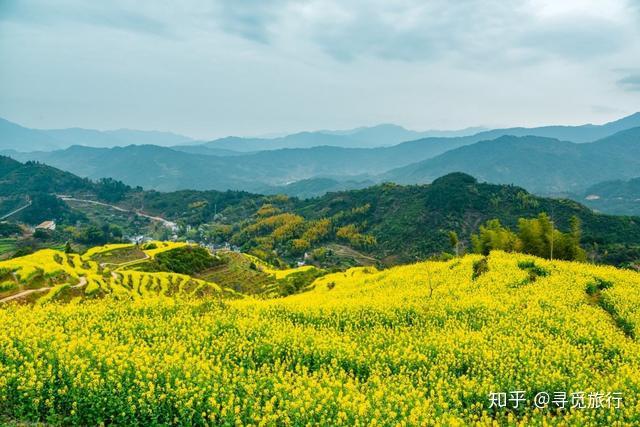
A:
(215, 68)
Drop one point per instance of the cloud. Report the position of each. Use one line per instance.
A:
(630, 83)
(574, 37)
(468, 33)
(100, 14)
(217, 67)
(250, 19)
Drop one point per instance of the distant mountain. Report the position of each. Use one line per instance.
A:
(542, 165)
(168, 169)
(315, 187)
(578, 134)
(384, 135)
(149, 166)
(19, 138)
(615, 197)
(297, 140)
(22, 139)
(389, 134)
(206, 151)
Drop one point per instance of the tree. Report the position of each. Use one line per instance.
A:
(493, 236)
(67, 248)
(453, 239)
(536, 236)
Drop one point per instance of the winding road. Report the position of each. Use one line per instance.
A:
(83, 282)
(165, 222)
(15, 211)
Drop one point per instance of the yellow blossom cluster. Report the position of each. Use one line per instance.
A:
(58, 271)
(423, 344)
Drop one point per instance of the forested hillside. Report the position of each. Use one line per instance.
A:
(617, 197)
(541, 165)
(389, 223)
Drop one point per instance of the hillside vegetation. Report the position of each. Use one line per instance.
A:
(617, 197)
(390, 223)
(399, 224)
(420, 344)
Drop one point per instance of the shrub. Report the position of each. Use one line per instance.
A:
(480, 267)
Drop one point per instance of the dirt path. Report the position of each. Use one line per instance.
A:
(83, 282)
(165, 222)
(345, 251)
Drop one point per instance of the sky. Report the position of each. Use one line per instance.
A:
(213, 68)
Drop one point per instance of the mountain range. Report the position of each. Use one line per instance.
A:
(542, 165)
(22, 139)
(19, 138)
(363, 137)
(542, 161)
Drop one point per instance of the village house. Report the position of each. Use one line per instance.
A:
(46, 225)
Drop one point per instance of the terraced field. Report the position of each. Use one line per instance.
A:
(7, 246)
(240, 273)
(50, 274)
(118, 270)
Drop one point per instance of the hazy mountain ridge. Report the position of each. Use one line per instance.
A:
(542, 165)
(19, 138)
(578, 134)
(167, 169)
(383, 135)
(23, 139)
(390, 134)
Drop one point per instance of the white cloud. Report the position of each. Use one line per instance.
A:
(211, 68)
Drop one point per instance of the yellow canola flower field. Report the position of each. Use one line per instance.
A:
(275, 272)
(58, 271)
(106, 248)
(151, 248)
(157, 246)
(423, 344)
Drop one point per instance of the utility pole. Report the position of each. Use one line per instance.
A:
(552, 228)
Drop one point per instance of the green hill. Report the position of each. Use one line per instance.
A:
(395, 223)
(388, 222)
(615, 197)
